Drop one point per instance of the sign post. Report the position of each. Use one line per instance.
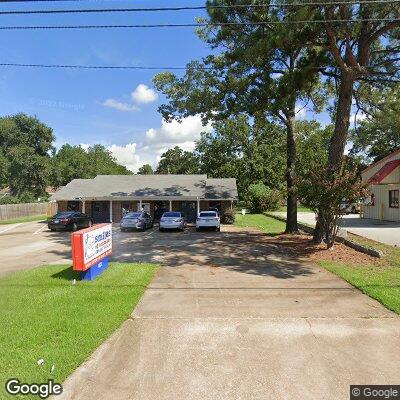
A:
(90, 250)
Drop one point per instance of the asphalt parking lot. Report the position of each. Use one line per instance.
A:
(31, 244)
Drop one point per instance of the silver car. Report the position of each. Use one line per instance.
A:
(173, 220)
(136, 220)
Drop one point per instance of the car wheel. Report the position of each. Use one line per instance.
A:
(74, 227)
(218, 229)
(197, 229)
(161, 229)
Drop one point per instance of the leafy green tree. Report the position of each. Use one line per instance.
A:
(3, 170)
(313, 145)
(361, 43)
(178, 161)
(102, 162)
(70, 162)
(262, 198)
(261, 70)
(324, 195)
(248, 152)
(378, 134)
(74, 162)
(25, 143)
(28, 172)
(145, 169)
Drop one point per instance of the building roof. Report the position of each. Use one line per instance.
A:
(148, 186)
(386, 170)
(382, 161)
(217, 188)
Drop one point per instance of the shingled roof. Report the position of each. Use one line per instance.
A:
(148, 186)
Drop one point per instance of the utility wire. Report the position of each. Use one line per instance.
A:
(298, 4)
(72, 66)
(198, 25)
(125, 67)
(188, 8)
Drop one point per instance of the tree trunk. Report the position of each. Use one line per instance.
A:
(318, 233)
(291, 213)
(343, 111)
(339, 138)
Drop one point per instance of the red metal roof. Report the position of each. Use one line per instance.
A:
(387, 169)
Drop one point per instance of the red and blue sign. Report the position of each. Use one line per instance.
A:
(90, 250)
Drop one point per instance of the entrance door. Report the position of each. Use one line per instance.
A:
(101, 211)
(160, 208)
(190, 210)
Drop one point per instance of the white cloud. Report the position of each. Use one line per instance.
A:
(118, 105)
(175, 133)
(126, 155)
(85, 146)
(143, 94)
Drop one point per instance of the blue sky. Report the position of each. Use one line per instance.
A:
(94, 106)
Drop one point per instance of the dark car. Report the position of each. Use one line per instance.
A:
(136, 220)
(69, 220)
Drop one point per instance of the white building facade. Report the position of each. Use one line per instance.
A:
(383, 178)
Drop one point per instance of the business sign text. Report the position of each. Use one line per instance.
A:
(91, 245)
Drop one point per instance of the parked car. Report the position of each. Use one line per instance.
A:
(69, 220)
(173, 220)
(208, 219)
(136, 220)
(350, 208)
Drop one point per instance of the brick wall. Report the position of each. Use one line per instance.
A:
(88, 208)
(204, 205)
(62, 205)
(176, 206)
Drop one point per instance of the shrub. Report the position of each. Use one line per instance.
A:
(228, 217)
(262, 198)
(324, 194)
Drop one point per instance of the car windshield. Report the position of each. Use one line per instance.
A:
(208, 214)
(65, 214)
(172, 215)
(134, 215)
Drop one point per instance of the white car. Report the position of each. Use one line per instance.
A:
(208, 219)
(173, 220)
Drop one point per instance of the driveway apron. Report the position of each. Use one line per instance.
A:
(232, 316)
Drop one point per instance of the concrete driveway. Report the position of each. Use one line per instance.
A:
(235, 316)
(30, 244)
(381, 231)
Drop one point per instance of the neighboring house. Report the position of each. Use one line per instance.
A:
(107, 197)
(384, 180)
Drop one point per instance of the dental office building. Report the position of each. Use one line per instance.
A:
(107, 198)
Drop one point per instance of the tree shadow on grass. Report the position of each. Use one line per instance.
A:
(67, 274)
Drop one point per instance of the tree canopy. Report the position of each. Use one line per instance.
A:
(25, 143)
(73, 162)
(178, 161)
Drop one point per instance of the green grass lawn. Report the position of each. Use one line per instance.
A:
(24, 219)
(380, 282)
(300, 208)
(44, 316)
(267, 224)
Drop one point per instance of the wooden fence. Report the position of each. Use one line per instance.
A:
(11, 211)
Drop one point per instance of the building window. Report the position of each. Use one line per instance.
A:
(393, 198)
